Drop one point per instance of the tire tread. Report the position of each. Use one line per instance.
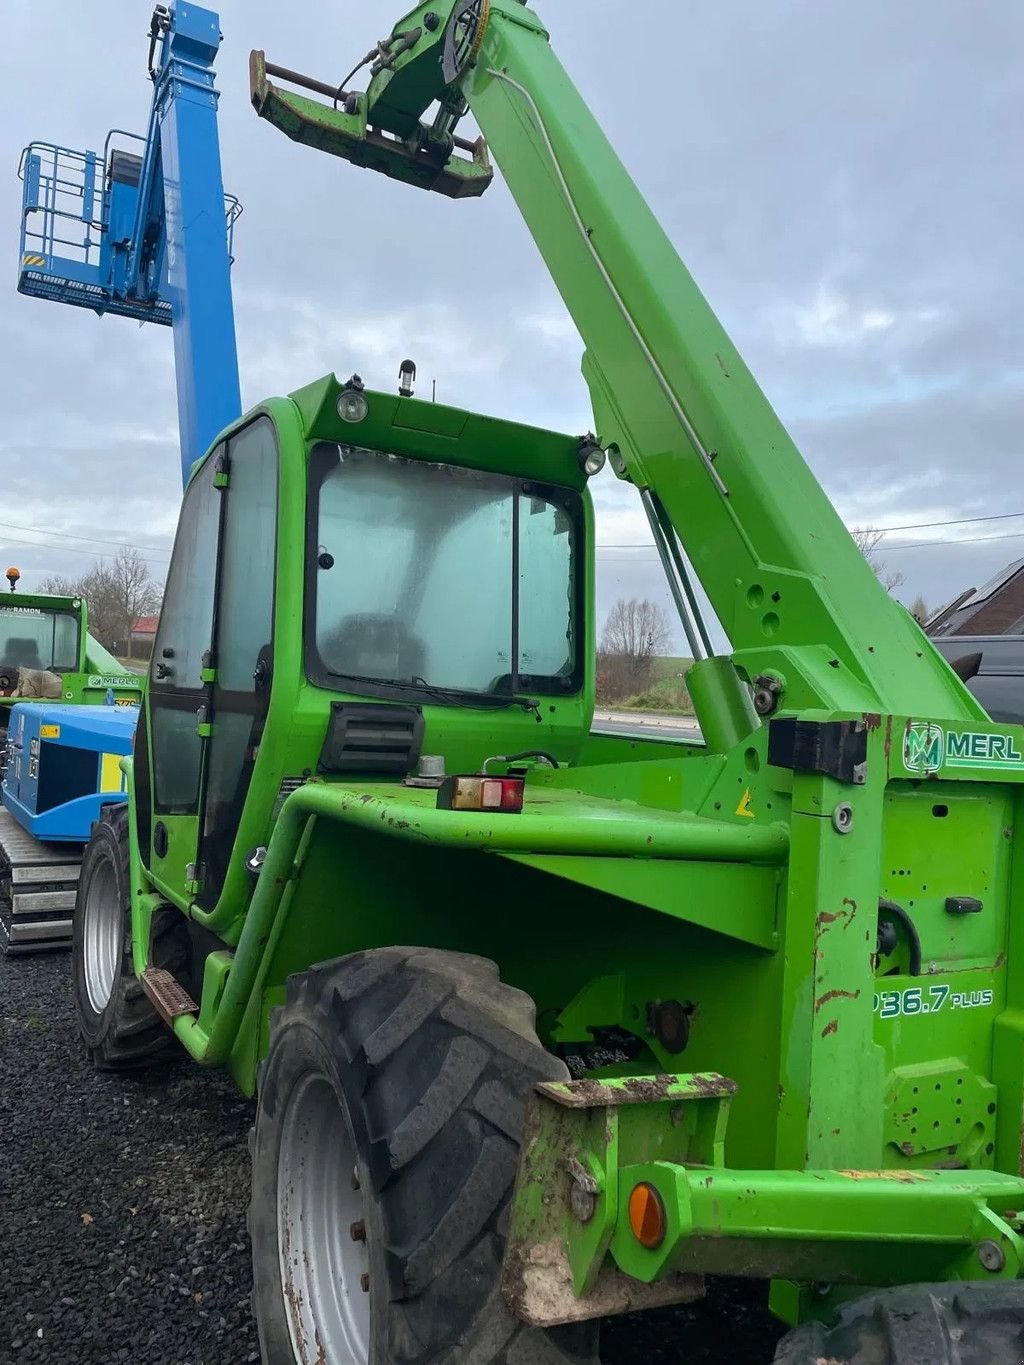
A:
(959, 1323)
(436, 1059)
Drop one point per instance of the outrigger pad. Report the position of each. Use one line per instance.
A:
(346, 135)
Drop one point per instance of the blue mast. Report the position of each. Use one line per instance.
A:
(145, 230)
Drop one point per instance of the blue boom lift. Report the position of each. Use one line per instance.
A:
(143, 230)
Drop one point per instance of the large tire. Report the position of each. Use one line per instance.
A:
(963, 1323)
(119, 1026)
(413, 1066)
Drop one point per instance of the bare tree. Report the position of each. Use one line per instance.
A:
(59, 586)
(867, 540)
(920, 610)
(138, 594)
(635, 633)
(116, 595)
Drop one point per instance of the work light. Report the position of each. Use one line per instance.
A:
(352, 405)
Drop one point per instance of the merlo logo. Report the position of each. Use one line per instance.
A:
(922, 747)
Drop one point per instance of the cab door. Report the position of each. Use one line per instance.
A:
(243, 646)
(168, 789)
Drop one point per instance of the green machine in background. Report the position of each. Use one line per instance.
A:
(748, 1007)
(44, 634)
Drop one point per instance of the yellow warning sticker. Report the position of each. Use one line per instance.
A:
(33, 260)
(49, 732)
(111, 776)
(744, 807)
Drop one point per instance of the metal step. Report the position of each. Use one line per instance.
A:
(37, 890)
(168, 997)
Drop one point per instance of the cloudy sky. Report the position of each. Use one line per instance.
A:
(844, 181)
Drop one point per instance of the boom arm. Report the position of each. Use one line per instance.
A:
(673, 400)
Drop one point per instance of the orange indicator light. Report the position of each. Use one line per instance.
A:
(647, 1216)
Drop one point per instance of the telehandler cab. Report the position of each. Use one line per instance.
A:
(368, 725)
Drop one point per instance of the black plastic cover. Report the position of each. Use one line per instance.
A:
(834, 748)
(369, 737)
(963, 905)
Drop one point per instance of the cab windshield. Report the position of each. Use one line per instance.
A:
(31, 638)
(439, 577)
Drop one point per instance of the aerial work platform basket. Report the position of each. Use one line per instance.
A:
(79, 212)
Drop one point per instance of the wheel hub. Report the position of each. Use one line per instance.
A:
(102, 936)
(321, 1230)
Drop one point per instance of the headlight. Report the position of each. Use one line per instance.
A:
(352, 406)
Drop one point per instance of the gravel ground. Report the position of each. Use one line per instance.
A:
(122, 1199)
(122, 1212)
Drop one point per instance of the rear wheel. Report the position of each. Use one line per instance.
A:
(965, 1323)
(118, 1024)
(385, 1147)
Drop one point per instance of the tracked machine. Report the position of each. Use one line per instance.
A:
(53, 677)
(368, 726)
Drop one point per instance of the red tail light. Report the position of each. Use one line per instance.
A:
(477, 791)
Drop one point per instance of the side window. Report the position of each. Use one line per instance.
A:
(243, 652)
(184, 636)
(547, 612)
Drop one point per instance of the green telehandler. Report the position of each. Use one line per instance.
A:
(543, 1025)
(47, 654)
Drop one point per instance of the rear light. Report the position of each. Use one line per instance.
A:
(477, 791)
(647, 1216)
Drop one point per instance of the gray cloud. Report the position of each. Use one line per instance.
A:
(843, 181)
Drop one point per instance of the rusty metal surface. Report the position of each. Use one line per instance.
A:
(167, 996)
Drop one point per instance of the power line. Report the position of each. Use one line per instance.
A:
(911, 545)
(966, 540)
(957, 521)
(72, 549)
(910, 526)
(93, 540)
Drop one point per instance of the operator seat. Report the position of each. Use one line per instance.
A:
(21, 652)
(374, 646)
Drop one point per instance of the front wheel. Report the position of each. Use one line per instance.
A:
(119, 1026)
(963, 1323)
(385, 1148)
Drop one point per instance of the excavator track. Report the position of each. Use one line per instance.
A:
(37, 890)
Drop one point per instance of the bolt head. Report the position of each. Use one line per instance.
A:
(842, 818)
(764, 702)
(582, 1203)
(991, 1255)
(358, 1231)
(364, 1282)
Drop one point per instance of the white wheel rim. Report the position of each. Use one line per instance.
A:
(102, 935)
(322, 1264)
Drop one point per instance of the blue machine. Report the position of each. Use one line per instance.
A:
(145, 230)
(63, 767)
(56, 801)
